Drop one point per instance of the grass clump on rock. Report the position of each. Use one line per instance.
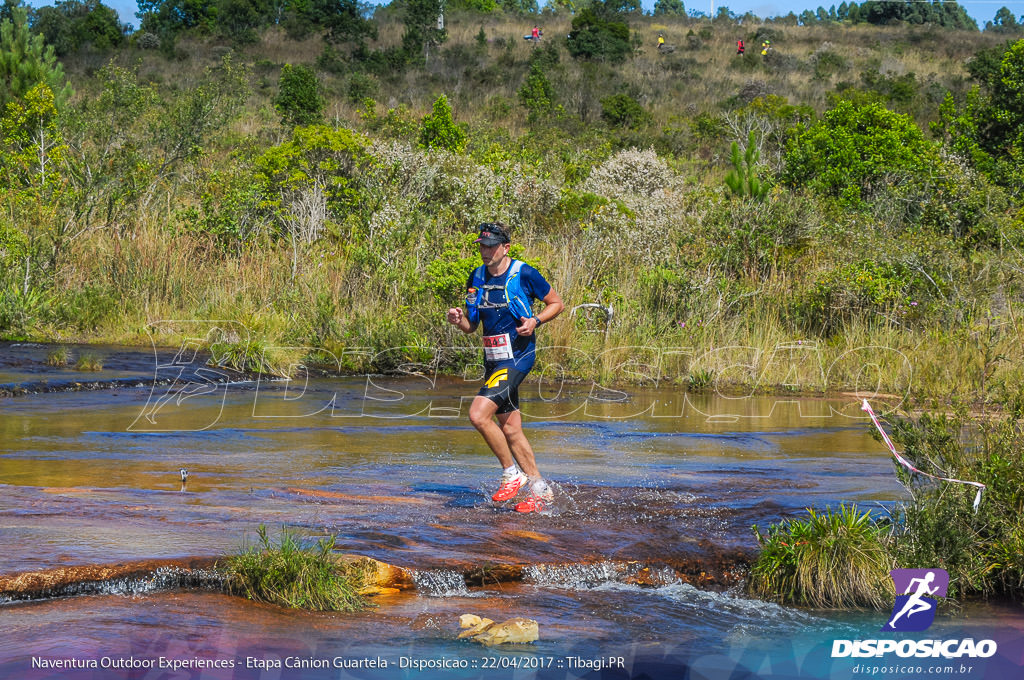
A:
(830, 560)
(58, 357)
(87, 361)
(290, 574)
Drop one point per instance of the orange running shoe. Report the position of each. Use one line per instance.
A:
(509, 488)
(536, 502)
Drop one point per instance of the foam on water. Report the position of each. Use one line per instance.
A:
(440, 583)
(585, 576)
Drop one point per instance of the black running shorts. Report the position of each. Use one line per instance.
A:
(502, 386)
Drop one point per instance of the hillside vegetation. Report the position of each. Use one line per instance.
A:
(843, 211)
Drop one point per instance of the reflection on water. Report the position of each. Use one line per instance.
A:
(650, 476)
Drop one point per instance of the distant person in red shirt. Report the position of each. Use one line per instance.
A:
(740, 49)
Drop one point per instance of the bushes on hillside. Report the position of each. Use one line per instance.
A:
(70, 24)
(855, 150)
(299, 100)
(600, 32)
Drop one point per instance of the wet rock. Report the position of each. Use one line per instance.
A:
(381, 578)
(474, 623)
(492, 574)
(137, 576)
(486, 632)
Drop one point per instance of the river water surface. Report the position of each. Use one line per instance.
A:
(645, 478)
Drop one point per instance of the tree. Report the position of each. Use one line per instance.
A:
(672, 8)
(240, 19)
(537, 94)
(70, 24)
(188, 119)
(1005, 22)
(345, 22)
(439, 131)
(519, 6)
(742, 179)
(421, 28)
(7, 9)
(166, 18)
(989, 127)
(26, 61)
(600, 32)
(34, 177)
(299, 100)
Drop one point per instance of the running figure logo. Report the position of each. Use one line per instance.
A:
(915, 608)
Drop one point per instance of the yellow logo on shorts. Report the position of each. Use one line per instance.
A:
(498, 376)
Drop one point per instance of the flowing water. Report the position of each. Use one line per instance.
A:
(645, 480)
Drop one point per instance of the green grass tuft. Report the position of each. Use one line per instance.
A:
(830, 560)
(88, 361)
(290, 574)
(58, 357)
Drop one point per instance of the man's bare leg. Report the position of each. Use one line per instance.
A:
(512, 429)
(481, 414)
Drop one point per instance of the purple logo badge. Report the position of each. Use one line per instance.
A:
(915, 600)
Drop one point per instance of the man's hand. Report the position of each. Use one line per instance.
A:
(455, 316)
(526, 326)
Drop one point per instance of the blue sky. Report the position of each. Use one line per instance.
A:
(980, 10)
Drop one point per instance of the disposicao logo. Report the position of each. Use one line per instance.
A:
(914, 611)
(915, 608)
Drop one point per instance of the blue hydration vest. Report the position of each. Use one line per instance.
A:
(515, 299)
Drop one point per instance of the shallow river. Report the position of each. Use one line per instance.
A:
(392, 469)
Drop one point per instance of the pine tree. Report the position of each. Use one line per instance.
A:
(26, 61)
(439, 131)
(742, 179)
(537, 94)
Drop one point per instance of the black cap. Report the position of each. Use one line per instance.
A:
(492, 234)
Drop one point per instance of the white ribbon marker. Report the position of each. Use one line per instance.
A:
(907, 464)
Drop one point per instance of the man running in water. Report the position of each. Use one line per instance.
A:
(500, 294)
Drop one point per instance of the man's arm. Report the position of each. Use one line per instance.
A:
(553, 307)
(457, 318)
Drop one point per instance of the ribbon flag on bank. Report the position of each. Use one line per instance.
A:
(910, 466)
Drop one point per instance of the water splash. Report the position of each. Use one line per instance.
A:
(586, 576)
(440, 583)
(162, 579)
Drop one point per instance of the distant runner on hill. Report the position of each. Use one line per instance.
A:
(500, 294)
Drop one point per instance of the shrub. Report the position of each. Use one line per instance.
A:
(863, 289)
(439, 131)
(632, 173)
(750, 239)
(938, 527)
(299, 100)
(742, 179)
(537, 94)
(621, 110)
(360, 87)
(22, 311)
(147, 41)
(830, 560)
(447, 274)
(854, 150)
(598, 33)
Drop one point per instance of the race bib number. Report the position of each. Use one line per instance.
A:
(497, 347)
